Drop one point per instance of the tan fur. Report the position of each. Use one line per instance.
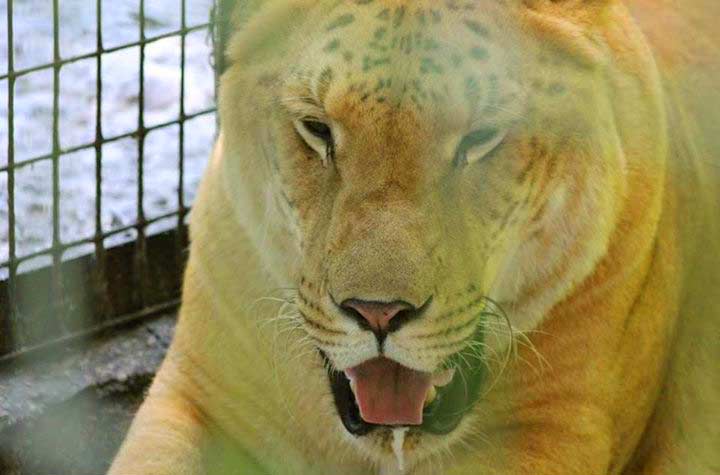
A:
(596, 227)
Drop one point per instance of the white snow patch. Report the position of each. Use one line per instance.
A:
(76, 121)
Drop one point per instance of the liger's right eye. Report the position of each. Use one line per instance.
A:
(318, 135)
(318, 129)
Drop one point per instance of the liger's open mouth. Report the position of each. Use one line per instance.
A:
(382, 393)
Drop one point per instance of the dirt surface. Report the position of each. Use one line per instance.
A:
(77, 118)
(67, 412)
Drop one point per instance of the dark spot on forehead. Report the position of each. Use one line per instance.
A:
(341, 21)
(332, 46)
(428, 65)
(477, 28)
(370, 63)
(479, 53)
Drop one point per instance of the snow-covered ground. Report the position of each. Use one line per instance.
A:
(120, 76)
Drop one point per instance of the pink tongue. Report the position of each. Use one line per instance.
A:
(389, 393)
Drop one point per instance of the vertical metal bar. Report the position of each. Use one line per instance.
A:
(57, 291)
(181, 238)
(17, 338)
(217, 31)
(140, 253)
(99, 279)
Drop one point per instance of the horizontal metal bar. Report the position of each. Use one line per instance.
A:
(93, 54)
(71, 244)
(132, 134)
(143, 314)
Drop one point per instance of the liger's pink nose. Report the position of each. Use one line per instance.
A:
(377, 315)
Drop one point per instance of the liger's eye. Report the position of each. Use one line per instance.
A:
(318, 136)
(318, 129)
(477, 144)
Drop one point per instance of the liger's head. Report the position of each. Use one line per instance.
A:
(443, 173)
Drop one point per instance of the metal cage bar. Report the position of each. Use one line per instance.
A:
(99, 281)
(57, 289)
(141, 250)
(181, 243)
(13, 325)
(120, 283)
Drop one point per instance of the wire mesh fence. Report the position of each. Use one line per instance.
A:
(111, 247)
